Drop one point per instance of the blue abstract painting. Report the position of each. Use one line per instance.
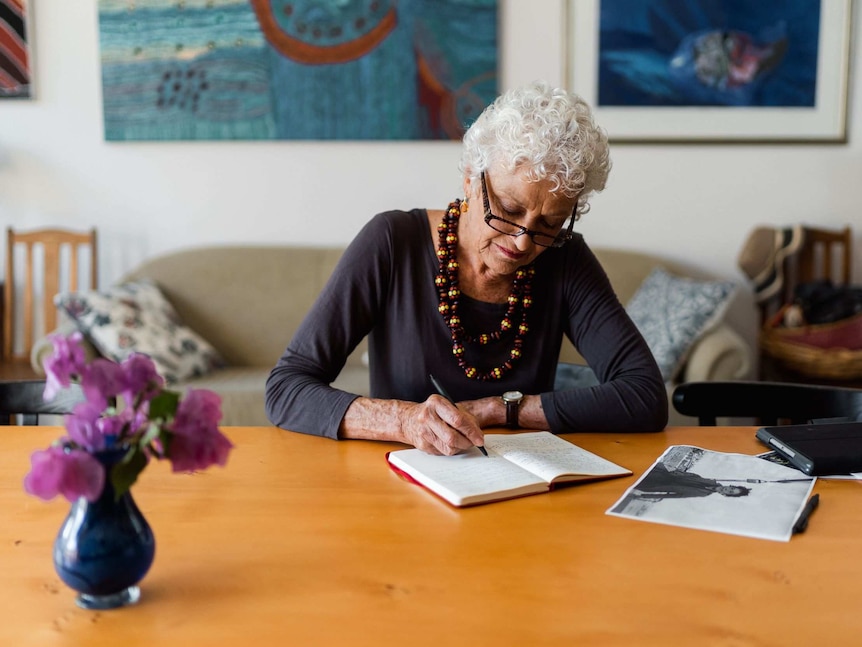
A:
(296, 69)
(708, 53)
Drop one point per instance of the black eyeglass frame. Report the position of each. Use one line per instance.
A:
(558, 241)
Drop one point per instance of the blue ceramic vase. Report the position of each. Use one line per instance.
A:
(105, 548)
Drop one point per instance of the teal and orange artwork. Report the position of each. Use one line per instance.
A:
(296, 69)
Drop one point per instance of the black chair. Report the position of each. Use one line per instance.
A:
(24, 398)
(770, 403)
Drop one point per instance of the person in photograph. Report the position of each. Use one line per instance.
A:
(662, 483)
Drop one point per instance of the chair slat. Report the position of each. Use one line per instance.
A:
(56, 266)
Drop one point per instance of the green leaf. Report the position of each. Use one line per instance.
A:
(164, 405)
(125, 473)
(150, 435)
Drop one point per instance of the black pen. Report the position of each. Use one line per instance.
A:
(443, 392)
(802, 522)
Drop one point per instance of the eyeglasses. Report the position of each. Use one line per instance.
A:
(511, 229)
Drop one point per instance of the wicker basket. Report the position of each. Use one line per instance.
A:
(787, 346)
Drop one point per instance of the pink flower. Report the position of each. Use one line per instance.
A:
(141, 378)
(65, 362)
(200, 408)
(83, 428)
(72, 473)
(91, 429)
(102, 381)
(197, 442)
(199, 451)
(125, 405)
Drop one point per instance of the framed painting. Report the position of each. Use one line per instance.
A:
(712, 70)
(295, 69)
(15, 59)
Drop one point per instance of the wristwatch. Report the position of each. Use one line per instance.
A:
(512, 400)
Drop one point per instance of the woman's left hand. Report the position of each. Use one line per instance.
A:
(485, 411)
(491, 412)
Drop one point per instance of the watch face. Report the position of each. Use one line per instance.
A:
(512, 396)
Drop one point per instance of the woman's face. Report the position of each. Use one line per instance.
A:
(515, 199)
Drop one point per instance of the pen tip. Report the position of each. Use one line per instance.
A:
(483, 450)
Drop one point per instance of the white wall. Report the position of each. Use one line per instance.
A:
(693, 203)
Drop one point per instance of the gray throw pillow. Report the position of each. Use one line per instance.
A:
(574, 376)
(673, 312)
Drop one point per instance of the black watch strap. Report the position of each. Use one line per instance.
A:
(512, 400)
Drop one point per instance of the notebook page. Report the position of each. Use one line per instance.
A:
(549, 456)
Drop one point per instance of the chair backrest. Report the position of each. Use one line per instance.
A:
(770, 403)
(824, 254)
(62, 252)
(25, 398)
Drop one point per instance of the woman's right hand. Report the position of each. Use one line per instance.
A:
(437, 426)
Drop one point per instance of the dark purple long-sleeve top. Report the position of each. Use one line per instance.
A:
(383, 287)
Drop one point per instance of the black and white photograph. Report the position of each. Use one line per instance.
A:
(731, 493)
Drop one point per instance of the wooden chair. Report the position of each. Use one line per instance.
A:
(24, 398)
(61, 255)
(824, 254)
(770, 403)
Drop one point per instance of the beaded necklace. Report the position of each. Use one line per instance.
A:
(449, 293)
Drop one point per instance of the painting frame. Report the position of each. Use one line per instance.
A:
(825, 122)
(16, 50)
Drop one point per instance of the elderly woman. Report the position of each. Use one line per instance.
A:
(480, 296)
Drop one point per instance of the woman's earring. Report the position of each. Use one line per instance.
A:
(464, 206)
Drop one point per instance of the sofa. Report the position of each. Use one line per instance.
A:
(247, 301)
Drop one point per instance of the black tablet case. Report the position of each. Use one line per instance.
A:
(817, 449)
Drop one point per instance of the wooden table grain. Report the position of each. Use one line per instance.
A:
(307, 541)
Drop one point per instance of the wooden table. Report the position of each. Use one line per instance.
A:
(305, 541)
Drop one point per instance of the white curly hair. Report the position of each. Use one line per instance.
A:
(548, 132)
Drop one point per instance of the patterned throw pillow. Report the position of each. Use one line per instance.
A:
(673, 312)
(137, 318)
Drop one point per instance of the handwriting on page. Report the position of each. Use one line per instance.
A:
(547, 455)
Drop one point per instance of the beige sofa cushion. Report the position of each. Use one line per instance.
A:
(242, 391)
(245, 301)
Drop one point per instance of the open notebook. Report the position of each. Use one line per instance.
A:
(516, 465)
